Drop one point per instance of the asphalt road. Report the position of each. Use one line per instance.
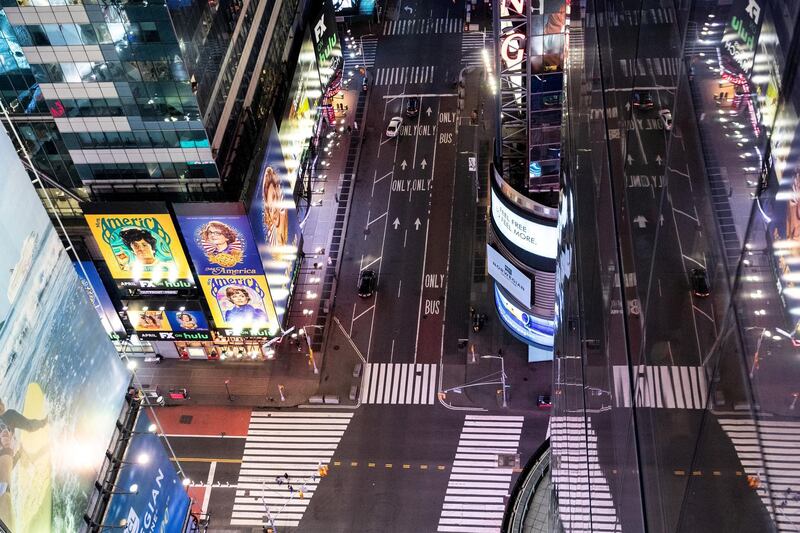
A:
(400, 222)
(659, 188)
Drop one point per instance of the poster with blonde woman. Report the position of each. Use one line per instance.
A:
(276, 217)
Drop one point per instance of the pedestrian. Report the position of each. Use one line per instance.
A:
(355, 125)
(349, 129)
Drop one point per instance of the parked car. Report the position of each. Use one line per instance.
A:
(643, 100)
(412, 107)
(393, 129)
(666, 118)
(699, 280)
(367, 280)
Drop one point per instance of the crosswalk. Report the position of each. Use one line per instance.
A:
(584, 497)
(768, 451)
(650, 66)
(632, 17)
(472, 45)
(401, 75)
(423, 26)
(364, 56)
(669, 387)
(474, 501)
(399, 383)
(278, 443)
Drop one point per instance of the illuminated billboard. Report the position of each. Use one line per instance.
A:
(241, 304)
(139, 244)
(167, 319)
(273, 219)
(742, 32)
(100, 300)
(327, 47)
(510, 277)
(62, 383)
(150, 496)
(529, 328)
(529, 235)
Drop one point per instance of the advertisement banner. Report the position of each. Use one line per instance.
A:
(219, 239)
(273, 219)
(62, 383)
(531, 236)
(167, 319)
(100, 300)
(529, 328)
(510, 277)
(742, 32)
(327, 47)
(241, 303)
(139, 244)
(151, 498)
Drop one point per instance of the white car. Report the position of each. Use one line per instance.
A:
(666, 118)
(393, 129)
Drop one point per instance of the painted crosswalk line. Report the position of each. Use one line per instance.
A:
(399, 383)
(668, 387)
(280, 444)
(768, 452)
(401, 75)
(423, 26)
(576, 474)
(474, 501)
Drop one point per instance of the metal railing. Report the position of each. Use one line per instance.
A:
(520, 500)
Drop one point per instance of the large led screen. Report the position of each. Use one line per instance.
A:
(139, 244)
(529, 235)
(167, 320)
(273, 219)
(224, 253)
(151, 498)
(529, 328)
(326, 41)
(62, 384)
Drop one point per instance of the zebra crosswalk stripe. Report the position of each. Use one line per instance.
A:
(576, 473)
(474, 499)
(422, 26)
(400, 75)
(399, 383)
(669, 387)
(278, 443)
(767, 450)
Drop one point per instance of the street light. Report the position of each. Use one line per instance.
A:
(303, 334)
(502, 374)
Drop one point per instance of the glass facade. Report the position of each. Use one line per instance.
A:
(675, 400)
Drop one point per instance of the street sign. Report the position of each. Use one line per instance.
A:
(473, 164)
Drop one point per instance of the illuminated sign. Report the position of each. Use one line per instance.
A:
(533, 237)
(241, 303)
(326, 42)
(139, 244)
(510, 277)
(167, 319)
(273, 219)
(741, 35)
(529, 328)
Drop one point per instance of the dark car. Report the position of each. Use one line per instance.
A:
(643, 100)
(412, 108)
(699, 280)
(367, 280)
(544, 401)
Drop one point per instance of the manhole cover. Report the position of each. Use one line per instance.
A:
(336, 347)
(186, 419)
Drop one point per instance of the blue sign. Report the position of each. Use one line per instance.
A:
(529, 328)
(158, 501)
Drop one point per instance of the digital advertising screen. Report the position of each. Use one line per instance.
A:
(510, 277)
(273, 219)
(151, 497)
(327, 47)
(527, 234)
(241, 304)
(527, 327)
(139, 244)
(167, 319)
(100, 300)
(62, 383)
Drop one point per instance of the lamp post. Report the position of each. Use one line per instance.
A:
(303, 334)
(502, 375)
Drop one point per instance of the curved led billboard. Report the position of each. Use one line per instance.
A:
(530, 329)
(536, 240)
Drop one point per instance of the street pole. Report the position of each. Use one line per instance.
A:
(502, 375)
(280, 390)
(228, 390)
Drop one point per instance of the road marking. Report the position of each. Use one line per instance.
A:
(279, 445)
(399, 383)
(367, 310)
(205, 460)
(662, 386)
(209, 483)
(399, 286)
(419, 95)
